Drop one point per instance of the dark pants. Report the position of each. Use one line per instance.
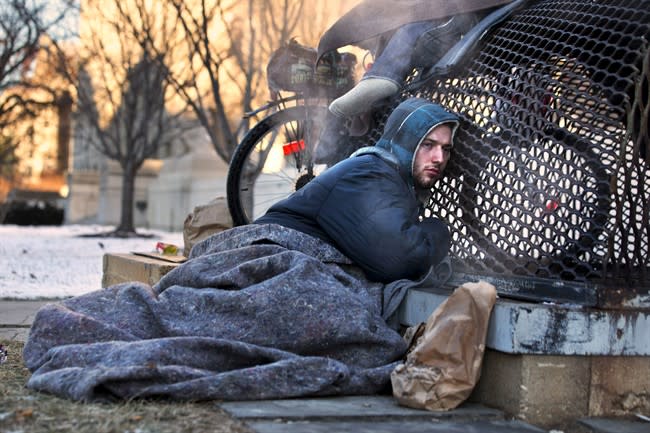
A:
(417, 45)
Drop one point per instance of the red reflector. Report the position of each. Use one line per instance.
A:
(552, 206)
(293, 147)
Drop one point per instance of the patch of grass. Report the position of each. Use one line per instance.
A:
(24, 410)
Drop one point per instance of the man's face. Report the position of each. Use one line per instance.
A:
(432, 156)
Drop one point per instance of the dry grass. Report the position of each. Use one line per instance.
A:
(23, 410)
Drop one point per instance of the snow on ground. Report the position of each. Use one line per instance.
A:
(54, 262)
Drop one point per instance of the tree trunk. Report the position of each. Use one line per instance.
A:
(126, 226)
(64, 111)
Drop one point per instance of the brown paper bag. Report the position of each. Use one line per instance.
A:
(204, 221)
(444, 365)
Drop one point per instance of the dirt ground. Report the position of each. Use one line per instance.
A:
(23, 410)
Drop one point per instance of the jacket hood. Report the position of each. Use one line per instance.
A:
(407, 125)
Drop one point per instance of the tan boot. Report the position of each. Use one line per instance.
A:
(362, 96)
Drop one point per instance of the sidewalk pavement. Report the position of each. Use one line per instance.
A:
(368, 414)
(16, 317)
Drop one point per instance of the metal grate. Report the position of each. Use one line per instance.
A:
(549, 179)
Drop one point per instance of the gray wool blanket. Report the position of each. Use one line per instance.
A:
(258, 312)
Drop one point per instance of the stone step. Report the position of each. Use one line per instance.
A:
(374, 413)
(549, 364)
(383, 407)
(616, 425)
(393, 427)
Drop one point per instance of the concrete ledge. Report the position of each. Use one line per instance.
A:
(122, 268)
(548, 329)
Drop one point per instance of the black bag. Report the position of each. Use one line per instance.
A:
(335, 73)
(293, 68)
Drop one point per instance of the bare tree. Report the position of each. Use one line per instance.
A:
(23, 26)
(227, 44)
(318, 16)
(125, 101)
(232, 60)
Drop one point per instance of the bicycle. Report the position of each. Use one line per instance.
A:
(276, 157)
(528, 191)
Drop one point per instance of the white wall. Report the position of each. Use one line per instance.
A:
(110, 193)
(83, 197)
(183, 183)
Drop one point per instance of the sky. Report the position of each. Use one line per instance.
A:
(54, 262)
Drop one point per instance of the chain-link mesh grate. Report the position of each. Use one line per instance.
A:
(549, 178)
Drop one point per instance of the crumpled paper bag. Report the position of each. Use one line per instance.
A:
(204, 221)
(444, 364)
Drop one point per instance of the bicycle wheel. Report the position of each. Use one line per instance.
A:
(547, 204)
(273, 160)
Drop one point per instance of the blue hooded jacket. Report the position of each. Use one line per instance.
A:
(366, 205)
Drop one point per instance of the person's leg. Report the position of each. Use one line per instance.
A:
(387, 73)
(436, 41)
(383, 79)
(394, 62)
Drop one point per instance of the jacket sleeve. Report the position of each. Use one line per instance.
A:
(372, 216)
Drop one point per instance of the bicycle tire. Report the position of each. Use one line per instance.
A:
(541, 202)
(254, 181)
